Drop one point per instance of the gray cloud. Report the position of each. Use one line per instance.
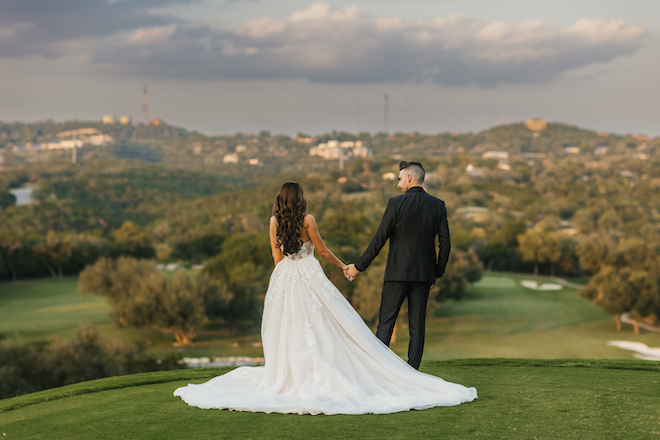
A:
(54, 28)
(325, 44)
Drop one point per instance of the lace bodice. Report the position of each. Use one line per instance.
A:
(306, 250)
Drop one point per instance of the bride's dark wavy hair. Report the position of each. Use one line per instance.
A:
(289, 210)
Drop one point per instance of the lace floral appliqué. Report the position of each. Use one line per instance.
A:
(310, 336)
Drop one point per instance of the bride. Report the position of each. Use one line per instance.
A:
(321, 358)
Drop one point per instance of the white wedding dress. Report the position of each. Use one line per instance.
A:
(321, 358)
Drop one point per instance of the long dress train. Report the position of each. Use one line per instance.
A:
(321, 358)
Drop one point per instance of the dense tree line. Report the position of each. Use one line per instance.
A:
(30, 366)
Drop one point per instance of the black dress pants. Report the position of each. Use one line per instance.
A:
(394, 292)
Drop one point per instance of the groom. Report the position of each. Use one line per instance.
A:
(411, 222)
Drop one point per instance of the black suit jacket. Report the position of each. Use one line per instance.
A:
(411, 222)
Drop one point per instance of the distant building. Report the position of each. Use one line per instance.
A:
(495, 155)
(628, 174)
(571, 150)
(197, 148)
(110, 120)
(230, 158)
(473, 171)
(536, 124)
(77, 138)
(389, 176)
(333, 149)
(81, 132)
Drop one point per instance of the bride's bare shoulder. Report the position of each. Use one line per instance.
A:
(309, 219)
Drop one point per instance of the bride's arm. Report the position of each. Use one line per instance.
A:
(274, 248)
(315, 236)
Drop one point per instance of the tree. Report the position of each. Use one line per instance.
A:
(568, 260)
(121, 280)
(610, 221)
(242, 267)
(593, 251)
(538, 246)
(55, 250)
(197, 249)
(463, 268)
(622, 290)
(6, 199)
(500, 250)
(586, 220)
(141, 296)
(11, 240)
(644, 288)
(132, 240)
(180, 307)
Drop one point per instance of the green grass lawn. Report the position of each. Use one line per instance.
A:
(500, 318)
(518, 399)
(43, 308)
(497, 318)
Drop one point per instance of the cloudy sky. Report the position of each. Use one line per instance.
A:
(289, 66)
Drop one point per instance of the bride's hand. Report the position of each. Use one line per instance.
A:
(350, 272)
(345, 270)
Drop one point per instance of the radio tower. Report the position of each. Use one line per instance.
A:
(145, 105)
(357, 114)
(387, 116)
(407, 112)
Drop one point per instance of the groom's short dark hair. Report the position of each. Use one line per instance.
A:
(416, 169)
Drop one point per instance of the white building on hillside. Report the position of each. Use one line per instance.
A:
(495, 155)
(333, 149)
(230, 158)
(77, 138)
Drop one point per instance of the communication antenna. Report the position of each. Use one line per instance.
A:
(407, 111)
(357, 115)
(145, 104)
(387, 98)
(452, 109)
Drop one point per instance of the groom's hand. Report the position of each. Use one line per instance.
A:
(345, 269)
(350, 272)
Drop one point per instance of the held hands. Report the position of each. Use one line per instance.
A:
(350, 272)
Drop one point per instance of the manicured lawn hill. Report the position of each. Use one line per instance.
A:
(497, 318)
(518, 399)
